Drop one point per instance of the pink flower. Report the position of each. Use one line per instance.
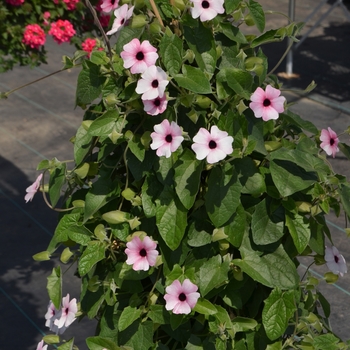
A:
(329, 141)
(267, 104)
(215, 145)
(15, 2)
(141, 254)
(181, 298)
(122, 14)
(109, 5)
(32, 189)
(139, 56)
(34, 36)
(62, 31)
(71, 4)
(104, 20)
(46, 16)
(68, 311)
(207, 9)
(166, 138)
(88, 45)
(152, 83)
(41, 346)
(51, 316)
(335, 261)
(155, 106)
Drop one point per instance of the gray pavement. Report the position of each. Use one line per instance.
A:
(37, 122)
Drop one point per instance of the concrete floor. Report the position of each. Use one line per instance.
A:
(37, 122)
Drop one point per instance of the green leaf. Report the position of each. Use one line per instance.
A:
(62, 230)
(67, 345)
(102, 192)
(171, 218)
(137, 148)
(139, 336)
(128, 316)
(292, 171)
(223, 195)
(345, 198)
(90, 83)
(103, 125)
(326, 341)
(236, 227)
(231, 5)
(99, 57)
(100, 343)
(299, 230)
(187, 178)
(205, 307)
(94, 252)
(193, 79)
(57, 180)
(267, 227)
(82, 145)
(170, 49)
(158, 314)
(54, 287)
(278, 309)
(295, 119)
(257, 14)
(243, 324)
(238, 80)
(200, 40)
(272, 270)
(233, 33)
(212, 274)
(79, 234)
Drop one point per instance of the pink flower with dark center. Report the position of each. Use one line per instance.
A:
(329, 141)
(335, 261)
(122, 14)
(214, 146)
(267, 104)
(68, 311)
(152, 83)
(51, 316)
(62, 31)
(181, 298)
(139, 56)
(15, 2)
(141, 254)
(34, 36)
(108, 6)
(155, 106)
(32, 189)
(41, 346)
(207, 9)
(166, 138)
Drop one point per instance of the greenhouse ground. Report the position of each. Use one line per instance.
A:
(38, 121)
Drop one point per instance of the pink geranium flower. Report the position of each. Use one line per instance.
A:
(34, 36)
(15, 2)
(214, 146)
(62, 31)
(329, 141)
(138, 56)
(155, 106)
(108, 6)
(335, 261)
(152, 83)
(32, 189)
(166, 138)
(141, 254)
(181, 298)
(207, 9)
(267, 104)
(68, 311)
(41, 346)
(122, 14)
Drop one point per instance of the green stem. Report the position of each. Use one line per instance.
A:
(282, 58)
(156, 12)
(6, 94)
(98, 23)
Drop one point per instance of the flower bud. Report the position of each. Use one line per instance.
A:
(115, 217)
(138, 21)
(42, 256)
